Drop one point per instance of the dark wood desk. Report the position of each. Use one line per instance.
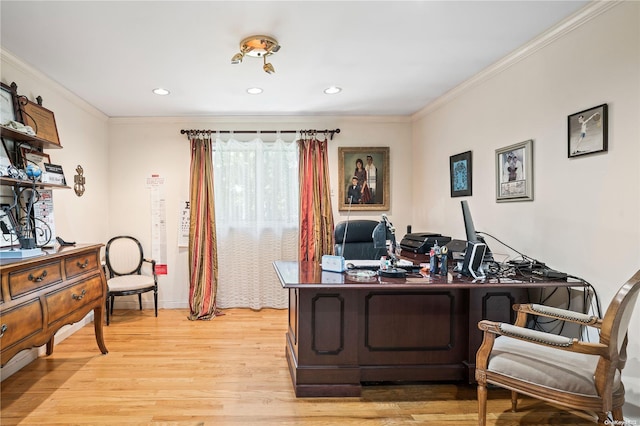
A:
(343, 333)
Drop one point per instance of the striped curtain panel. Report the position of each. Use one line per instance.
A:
(316, 215)
(203, 259)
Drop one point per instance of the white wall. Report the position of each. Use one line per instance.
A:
(82, 130)
(585, 218)
(141, 147)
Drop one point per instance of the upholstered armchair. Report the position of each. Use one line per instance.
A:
(560, 370)
(358, 243)
(129, 272)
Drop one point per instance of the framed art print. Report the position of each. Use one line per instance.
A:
(514, 172)
(363, 176)
(460, 174)
(587, 131)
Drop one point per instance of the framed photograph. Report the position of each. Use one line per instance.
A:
(587, 131)
(8, 104)
(363, 178)
(7, 235)
(514, 172)
(5, 159)
(460, 174)
(30, 156)
(40, 119)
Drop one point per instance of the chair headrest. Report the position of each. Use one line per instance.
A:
(357, 232)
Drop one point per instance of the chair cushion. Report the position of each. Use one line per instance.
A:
(129, 282)
(546, 366)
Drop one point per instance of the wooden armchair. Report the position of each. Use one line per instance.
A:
(560, 370)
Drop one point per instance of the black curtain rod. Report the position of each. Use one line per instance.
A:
(208, 132)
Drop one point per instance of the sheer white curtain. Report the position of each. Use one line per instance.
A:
(256, 200)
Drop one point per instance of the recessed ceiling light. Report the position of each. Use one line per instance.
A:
(332, 90)
(160, 91)
(254, 90)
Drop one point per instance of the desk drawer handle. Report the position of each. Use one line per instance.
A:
(83, 265)
(3, 329)
(79, 296)
(39, 278)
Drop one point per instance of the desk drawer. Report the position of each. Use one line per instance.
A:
(81, 264)
(69, 299)
(28, 280)
(19, 323)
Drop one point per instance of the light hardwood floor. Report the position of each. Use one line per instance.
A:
(228, 371)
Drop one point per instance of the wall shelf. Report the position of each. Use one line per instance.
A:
(31, 140)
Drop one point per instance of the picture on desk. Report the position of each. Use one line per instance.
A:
(363, 176)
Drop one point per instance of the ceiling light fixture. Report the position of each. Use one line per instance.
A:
(258, 46)
(254, 90)
(160, 91)
(332, 90)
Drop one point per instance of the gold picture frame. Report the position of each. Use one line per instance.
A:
(372, 189)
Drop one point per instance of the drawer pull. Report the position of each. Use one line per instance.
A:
(83, 265)
(38, 278)
(3, 329)
(79, 296)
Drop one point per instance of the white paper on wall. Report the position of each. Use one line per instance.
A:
(158, 223)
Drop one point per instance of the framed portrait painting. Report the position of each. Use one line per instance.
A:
(460, 174)
(363, 178)
(514, 172)
(587, 131)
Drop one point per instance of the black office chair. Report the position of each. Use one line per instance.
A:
(126, 273)
(358, 243)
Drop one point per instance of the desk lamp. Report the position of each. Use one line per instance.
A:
(383, 232)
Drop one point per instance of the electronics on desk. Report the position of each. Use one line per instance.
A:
(332, 263)
(472, 265)
(422, 242)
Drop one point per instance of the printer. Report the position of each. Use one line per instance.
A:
(422, 242)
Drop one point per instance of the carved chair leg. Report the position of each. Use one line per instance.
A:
(514, 401)
(140, 300)
(603, 419)
(617, 414)
(482, 404)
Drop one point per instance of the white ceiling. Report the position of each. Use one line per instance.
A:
(390, 57)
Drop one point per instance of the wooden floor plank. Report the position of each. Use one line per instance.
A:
(231, 370)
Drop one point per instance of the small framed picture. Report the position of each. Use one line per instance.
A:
(8, 104)
(514, 172)
(5, 160)
(30, 156)
(7, 234)
(460, 174)
(587, 131)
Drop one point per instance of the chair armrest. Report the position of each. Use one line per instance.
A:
(543, 338)
(153, 267)
(557, 313)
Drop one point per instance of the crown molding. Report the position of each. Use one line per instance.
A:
(10, 58)
(581, 17)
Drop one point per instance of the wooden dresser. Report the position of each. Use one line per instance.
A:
(41, 294)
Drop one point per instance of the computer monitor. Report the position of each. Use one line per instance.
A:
(472, 235)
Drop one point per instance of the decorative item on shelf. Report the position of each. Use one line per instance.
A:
(9, 110)
(53, 173)
(39, 118)
(79, 181)
(257, 46)
(30, 232)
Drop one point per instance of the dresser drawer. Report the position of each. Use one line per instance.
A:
(80, 264)
(20, 323)
(30, 279)
(67, 300)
